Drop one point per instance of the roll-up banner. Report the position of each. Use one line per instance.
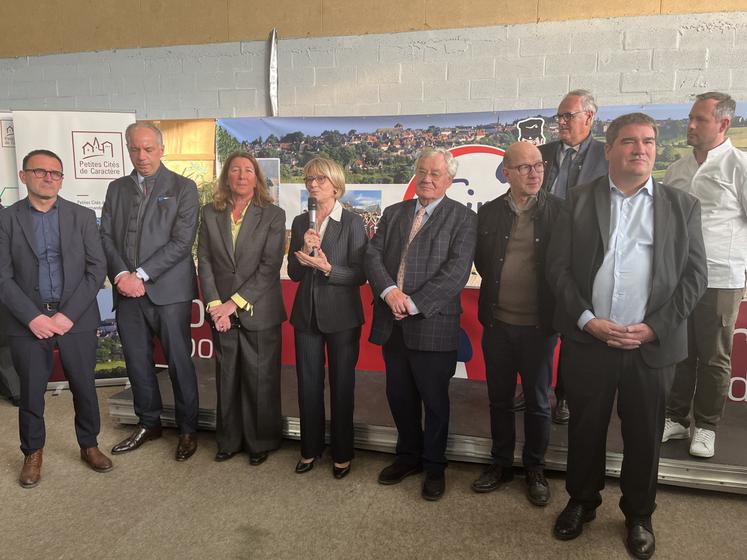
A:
(8, 173)
(90, 144)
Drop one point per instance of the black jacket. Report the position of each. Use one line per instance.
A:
(495, 220)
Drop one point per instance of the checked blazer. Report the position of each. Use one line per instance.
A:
(437, 267)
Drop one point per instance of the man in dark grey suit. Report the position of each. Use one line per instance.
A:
(417, 264)
(627, 264)
(575, 159)
(148, 226)
(51, 269)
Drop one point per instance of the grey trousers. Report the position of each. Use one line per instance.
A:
(703, 378)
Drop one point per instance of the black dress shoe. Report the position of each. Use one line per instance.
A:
(397, 472)
(258, 458)
(224, 456)
(571, 521)
(304, 466)
(538, 490)
(434, 486)
(137, 438)
(561, 414)
(340, 472)
(491, 478)
(186, 447)
(641, 541)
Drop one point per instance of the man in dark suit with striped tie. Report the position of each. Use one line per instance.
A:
(417, 264)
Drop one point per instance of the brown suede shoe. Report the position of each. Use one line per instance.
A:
(186, 447)
(31, 471)
(96, 459)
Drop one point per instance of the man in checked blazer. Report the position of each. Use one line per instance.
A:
(148, 226)
(417, 264)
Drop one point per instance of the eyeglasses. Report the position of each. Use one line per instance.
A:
(566, 116)
(40, 173)
(319, 179)
(524, 169)
(425, 173)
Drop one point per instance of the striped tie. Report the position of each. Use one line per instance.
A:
(416, 223)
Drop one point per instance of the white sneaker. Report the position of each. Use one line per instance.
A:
(674, 430)
(704, 443)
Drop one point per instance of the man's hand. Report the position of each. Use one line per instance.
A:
(603, 329)
(223, 311)
(396, 299)
(223, 324)
(43, 327)
(130, 285)
(634, 336)
(63, 322)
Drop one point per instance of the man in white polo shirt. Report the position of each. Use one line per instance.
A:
(715, 173)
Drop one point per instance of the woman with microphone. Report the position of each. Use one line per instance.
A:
(326, 258)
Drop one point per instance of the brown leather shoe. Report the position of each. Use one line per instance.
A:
(137, 438)
(96, 459)
(31, 471)
(186, 447)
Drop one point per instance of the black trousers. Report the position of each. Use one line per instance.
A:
(509, 349)
(416, 379)
(248, 388)
(596, 373)
(33, 360)
(342, 355)
(138, 320)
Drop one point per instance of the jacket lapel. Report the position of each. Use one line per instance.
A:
(662, 211)
(66, 240)
(602, 205)
(252, 217)
(223, 223)
(405, 224)
(24, 218)
(331, 234)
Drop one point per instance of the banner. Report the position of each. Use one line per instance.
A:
(8, 171)
(90, 144)
(378, 153)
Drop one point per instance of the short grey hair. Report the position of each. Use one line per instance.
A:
(143, 124)
(588, 103)
(451, 163)
(726, 107)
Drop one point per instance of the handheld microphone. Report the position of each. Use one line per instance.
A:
(312, 218)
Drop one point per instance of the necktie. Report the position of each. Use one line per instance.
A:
(416, 223)
(561, 184)
(148, 183)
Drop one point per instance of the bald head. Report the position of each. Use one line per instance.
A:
(524, 169)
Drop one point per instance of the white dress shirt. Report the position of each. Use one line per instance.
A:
(720, 184)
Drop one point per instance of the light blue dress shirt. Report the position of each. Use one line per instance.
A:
(623, 283)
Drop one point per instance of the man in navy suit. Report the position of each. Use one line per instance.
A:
(148, 226)
(51, 269)
(417, 264)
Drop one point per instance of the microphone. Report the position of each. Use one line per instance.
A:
(312, 218)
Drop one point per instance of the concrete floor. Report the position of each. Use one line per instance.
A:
(150, 506)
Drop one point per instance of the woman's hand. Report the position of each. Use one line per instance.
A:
(319, 262)
(311, 241)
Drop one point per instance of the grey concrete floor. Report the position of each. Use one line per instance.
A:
(150, 506)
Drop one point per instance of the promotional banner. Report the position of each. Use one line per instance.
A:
(90, 144)
(8, 171)
(378, 153)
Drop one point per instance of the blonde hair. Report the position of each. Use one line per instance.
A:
(222, 191)
(330, 169)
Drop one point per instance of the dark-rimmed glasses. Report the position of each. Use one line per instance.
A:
(40, 173)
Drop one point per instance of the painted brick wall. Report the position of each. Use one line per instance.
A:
(637, 60)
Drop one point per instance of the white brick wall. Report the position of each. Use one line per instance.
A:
(658, 59)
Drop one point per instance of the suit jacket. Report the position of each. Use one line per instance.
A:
(584, 169)
(438, 265)
(336, 299)
(252, 270)
(577, 248)
(83, 267)
(167, 233)
(495, 221)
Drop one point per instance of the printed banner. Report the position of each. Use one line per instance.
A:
(90, 144)
(8, 171)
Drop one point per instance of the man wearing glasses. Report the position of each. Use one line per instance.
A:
(575, 159)
(51, 268)
(417, 264)
(516, 310)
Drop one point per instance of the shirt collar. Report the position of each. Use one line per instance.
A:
(430, 208)
(336, 213)
(578, 148)
(719, 150)
(53, 207)
(648, 187)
